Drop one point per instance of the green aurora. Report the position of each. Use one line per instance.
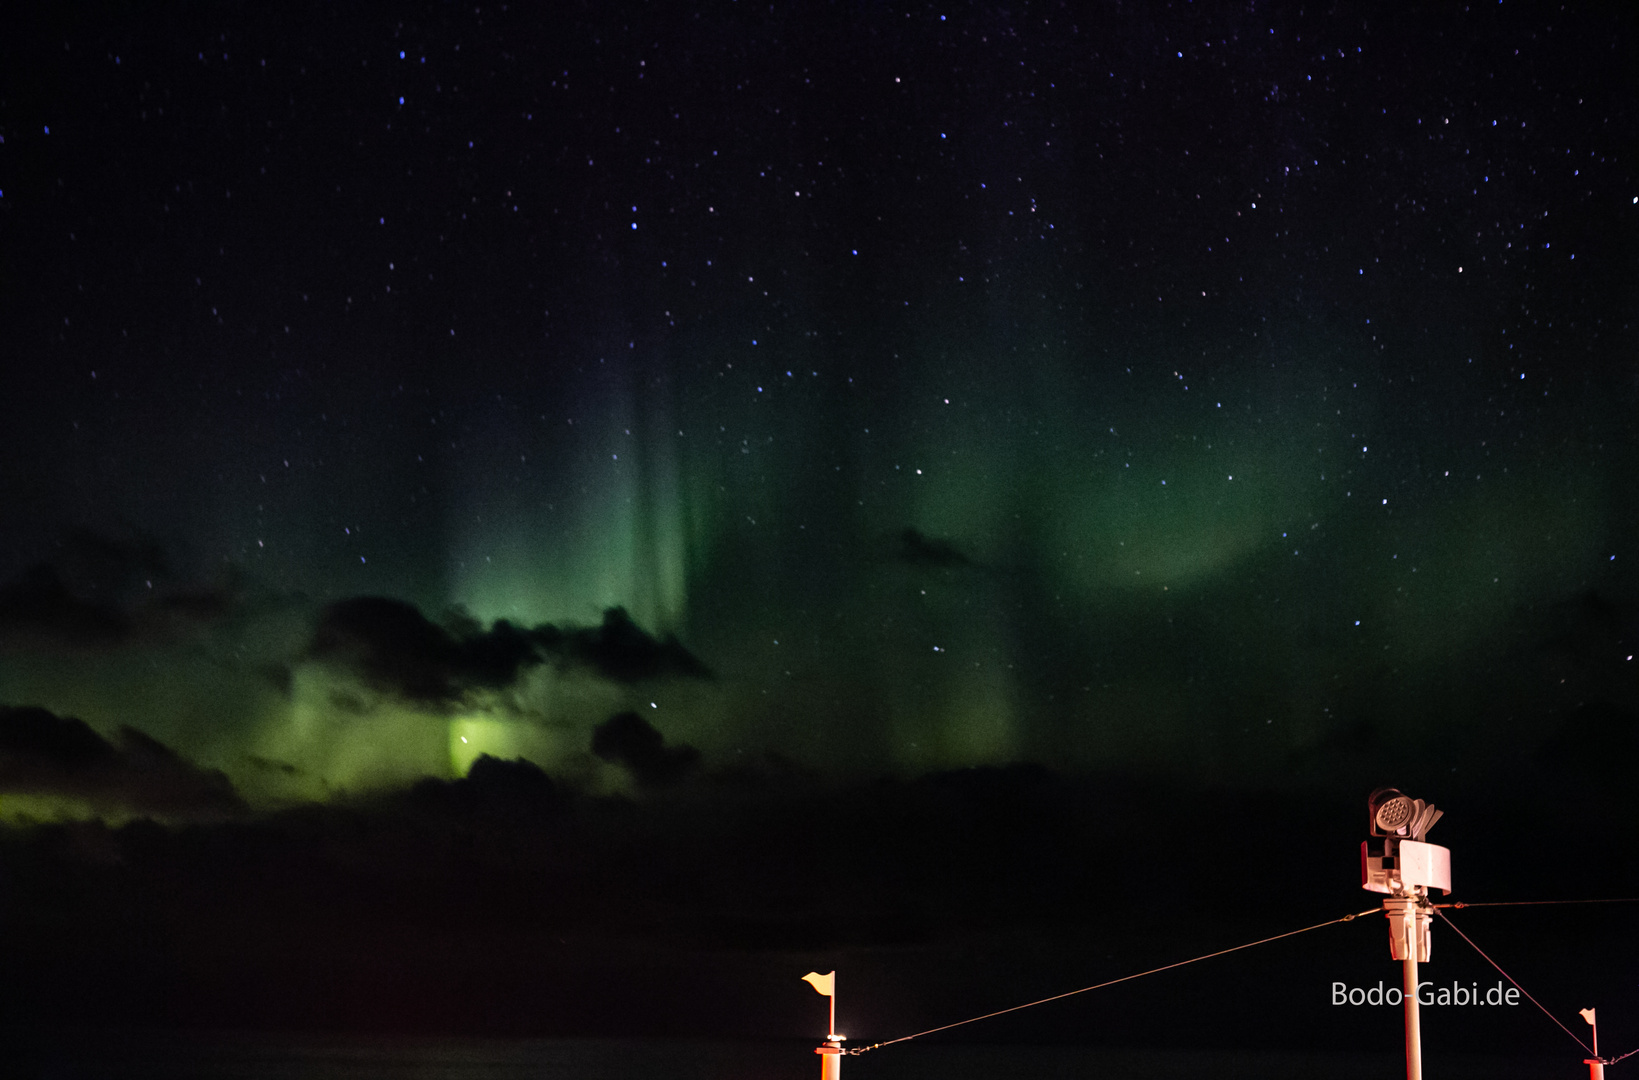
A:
(1098, 573)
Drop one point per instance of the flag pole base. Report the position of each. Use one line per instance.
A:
(831, 1058)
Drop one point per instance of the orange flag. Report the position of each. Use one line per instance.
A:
(825, 984)
(1587, 1014)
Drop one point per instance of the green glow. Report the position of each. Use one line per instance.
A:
(972, 722)
(26, 808)
(472, 736)
(613, 553)
(618, 536)
(1063, 543)
(344, 737)
(1174, 519)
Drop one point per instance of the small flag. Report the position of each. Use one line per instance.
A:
(1587, 1014)
(825, 984)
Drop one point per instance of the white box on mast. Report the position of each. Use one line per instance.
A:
(1401, 865)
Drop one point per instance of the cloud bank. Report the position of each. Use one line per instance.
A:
(50, 757)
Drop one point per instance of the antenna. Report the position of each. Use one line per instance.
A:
(1404, 867)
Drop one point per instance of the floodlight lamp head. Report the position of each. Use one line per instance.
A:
(1404, 862)
(1389, 811)
(1393, 813)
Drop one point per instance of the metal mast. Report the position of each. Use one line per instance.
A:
(1402, 865)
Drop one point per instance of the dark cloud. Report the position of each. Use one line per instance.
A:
(282, 768)
(919, 549)
(42, 753)
(194, 605)
(629, 740)
(764, 770)
(98, 591)
(38, 604)
(516, 791)
(41, 737)
(100, 565)
(397, 649)
(278, 677)
(622, 651)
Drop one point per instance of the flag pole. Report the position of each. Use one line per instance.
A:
(831, 1050)
(1595, 1064)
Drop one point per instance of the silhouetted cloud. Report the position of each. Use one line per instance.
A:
(398, 650)
(272, 765)
(622, 651)
(919, 549)
(764, 770)
(100, 563)
(514, 790)
(42, 753)
(97, 591)
(39, 604)
(629, 740)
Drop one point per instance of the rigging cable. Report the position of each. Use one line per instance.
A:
(1493, 963)
(1511, 979)
(1530, 903)
(1112, 982)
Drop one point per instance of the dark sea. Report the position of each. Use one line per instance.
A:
(116, 1056)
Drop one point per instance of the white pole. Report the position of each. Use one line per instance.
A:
(1414, 1031)
(830, 1061)
(1409, 943)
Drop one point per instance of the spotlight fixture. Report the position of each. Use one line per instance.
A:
(1389, 810)
(1392, 813)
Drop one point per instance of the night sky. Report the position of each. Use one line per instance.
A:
(879, 437)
